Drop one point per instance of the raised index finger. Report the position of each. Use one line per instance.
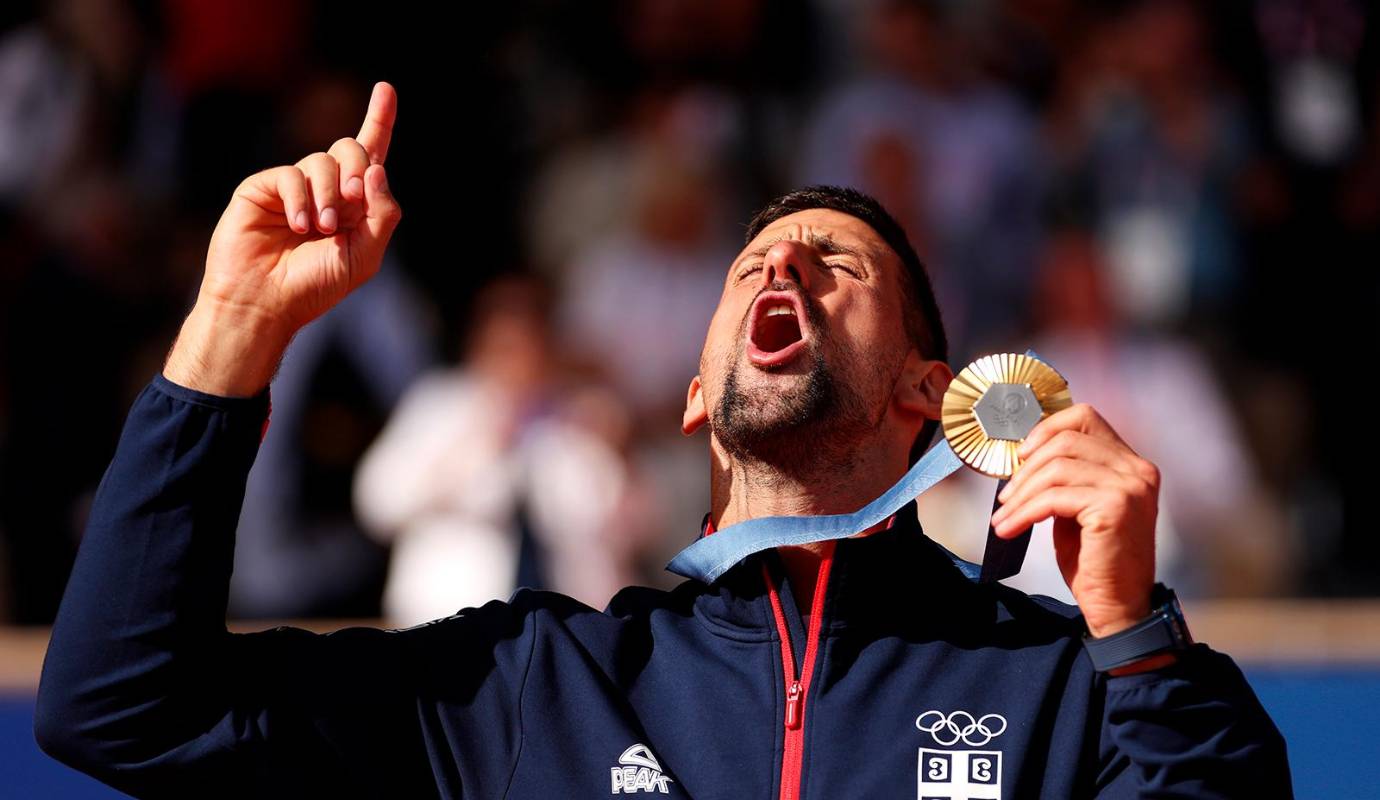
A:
(377, 129)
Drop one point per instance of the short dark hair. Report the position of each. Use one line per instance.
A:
(921, 318)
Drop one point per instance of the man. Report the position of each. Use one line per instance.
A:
(870, 667)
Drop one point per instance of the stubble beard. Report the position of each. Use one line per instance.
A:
(814, 425)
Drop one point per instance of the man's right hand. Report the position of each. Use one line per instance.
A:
(291, 244)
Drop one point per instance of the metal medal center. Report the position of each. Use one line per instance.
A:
(1008, 411)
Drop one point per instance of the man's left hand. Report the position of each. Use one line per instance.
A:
(1103, 497)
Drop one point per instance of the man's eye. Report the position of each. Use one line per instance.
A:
(748, 270)
(845, 266)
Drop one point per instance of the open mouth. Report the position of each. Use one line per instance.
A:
(777, 334)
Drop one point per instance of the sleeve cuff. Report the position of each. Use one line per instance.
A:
(259, 405)
(1189, 662)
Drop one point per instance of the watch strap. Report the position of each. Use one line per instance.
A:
(1163, 630)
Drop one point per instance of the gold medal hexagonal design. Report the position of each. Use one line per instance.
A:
(993, 403)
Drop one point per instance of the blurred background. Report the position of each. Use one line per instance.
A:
(1177, 204)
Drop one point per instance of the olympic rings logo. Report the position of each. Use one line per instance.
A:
(960, 725)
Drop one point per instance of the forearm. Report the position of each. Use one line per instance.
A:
(1194, 729)
(144, 608)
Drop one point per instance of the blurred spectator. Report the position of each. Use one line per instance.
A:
(1218, 532)
(299, 551)
(637, 297)
(499, 472)
(1312, 49)
(952, 154)
(1311, 242)
(42, 95)
(1149, 145)
(80, 91)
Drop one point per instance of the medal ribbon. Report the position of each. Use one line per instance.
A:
(711, 556)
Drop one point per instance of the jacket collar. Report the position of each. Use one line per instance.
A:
(886, 578)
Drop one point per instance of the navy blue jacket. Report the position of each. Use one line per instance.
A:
(910, 681)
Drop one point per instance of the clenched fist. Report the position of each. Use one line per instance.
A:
(293, 241)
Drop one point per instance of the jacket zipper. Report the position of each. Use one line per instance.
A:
(797, 677)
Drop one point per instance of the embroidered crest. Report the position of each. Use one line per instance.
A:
(959, 774)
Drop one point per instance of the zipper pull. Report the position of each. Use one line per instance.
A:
(793, 705)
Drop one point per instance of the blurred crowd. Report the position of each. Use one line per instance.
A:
(1175, 203)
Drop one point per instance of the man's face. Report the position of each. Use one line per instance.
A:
(808, 341)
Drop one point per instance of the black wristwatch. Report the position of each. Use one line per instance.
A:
(1163, 631)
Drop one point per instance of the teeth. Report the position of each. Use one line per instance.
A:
(778, 310)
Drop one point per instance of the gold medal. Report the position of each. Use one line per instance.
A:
(991, 406)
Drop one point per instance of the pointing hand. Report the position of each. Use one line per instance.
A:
(292, 243)
(296, 239)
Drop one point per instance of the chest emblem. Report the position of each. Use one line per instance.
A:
(639, 772)
(959, 774)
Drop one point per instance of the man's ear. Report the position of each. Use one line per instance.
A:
(695, 412)
(922, 385)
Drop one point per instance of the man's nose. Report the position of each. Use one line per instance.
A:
(787, 261)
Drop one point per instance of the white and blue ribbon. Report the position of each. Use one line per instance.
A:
(711, 556)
